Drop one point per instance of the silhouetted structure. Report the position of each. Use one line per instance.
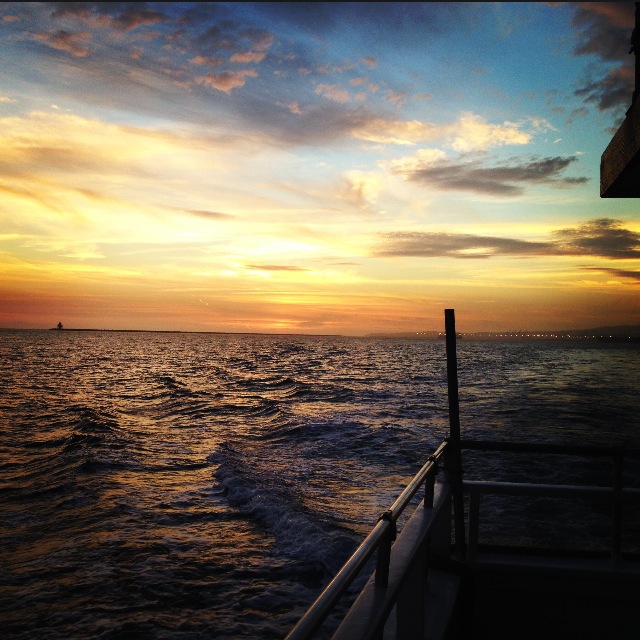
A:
(59, 325)
(620, 163)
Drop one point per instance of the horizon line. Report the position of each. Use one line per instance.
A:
(425, 334)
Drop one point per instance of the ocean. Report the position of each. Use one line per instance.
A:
(177, 485)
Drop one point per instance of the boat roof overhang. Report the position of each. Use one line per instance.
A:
(620, 162)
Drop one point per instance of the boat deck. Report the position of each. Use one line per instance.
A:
(523, 596)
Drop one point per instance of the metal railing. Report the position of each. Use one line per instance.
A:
(379, 540)
(401, 570)
(384, 592)
(615, 494)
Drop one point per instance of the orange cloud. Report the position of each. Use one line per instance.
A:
(206, 60)
(333, 92)
(248, 57)
(226, 81)
(370, 61)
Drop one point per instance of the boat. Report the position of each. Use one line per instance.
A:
(435, 579)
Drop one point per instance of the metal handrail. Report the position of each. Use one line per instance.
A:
(379, 539)
(412, 488)
(541, 447)
(550, 490)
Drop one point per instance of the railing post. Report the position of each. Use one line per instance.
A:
(455, 456)
(384, 550)
(616, 547)
(429, 484)
(474, 524)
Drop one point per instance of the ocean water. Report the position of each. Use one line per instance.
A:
(158, 485)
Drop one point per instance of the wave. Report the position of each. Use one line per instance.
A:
(318, 545)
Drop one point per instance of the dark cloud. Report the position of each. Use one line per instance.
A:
(602, 237)
(201, 13)
(452, 245)
(604, 30)
(227, 36)
(506, 180)
(311, 124)
(120, 15)
(274, 267)
(605, 238)
(611, 91)
(620, 273)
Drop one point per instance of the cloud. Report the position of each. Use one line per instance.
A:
(274, 267)
(403, 132)
(361, 188)
(209, 215)
(613, 90)
(422, 158)
(248, 57)
(74, 43)
(472, 175)
(226, 35)
(601, 237)
(120, 15)
(580, 112)
(60, 160)
(397, 98)
(226, 81)
(604, 30)
(206, 61)
(450, 245)
(620, 273)
(469, 132)
(259, 39)
(333, 92)
(605, 238)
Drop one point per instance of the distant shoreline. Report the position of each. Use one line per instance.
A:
(619, 334)
(216, 333)
(602, 334)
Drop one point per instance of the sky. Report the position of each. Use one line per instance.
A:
(324, 168)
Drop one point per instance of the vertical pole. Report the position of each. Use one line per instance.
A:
(452, 376)
(454, 431)
(635, 49)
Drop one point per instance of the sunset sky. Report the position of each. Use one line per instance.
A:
(314, 167)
